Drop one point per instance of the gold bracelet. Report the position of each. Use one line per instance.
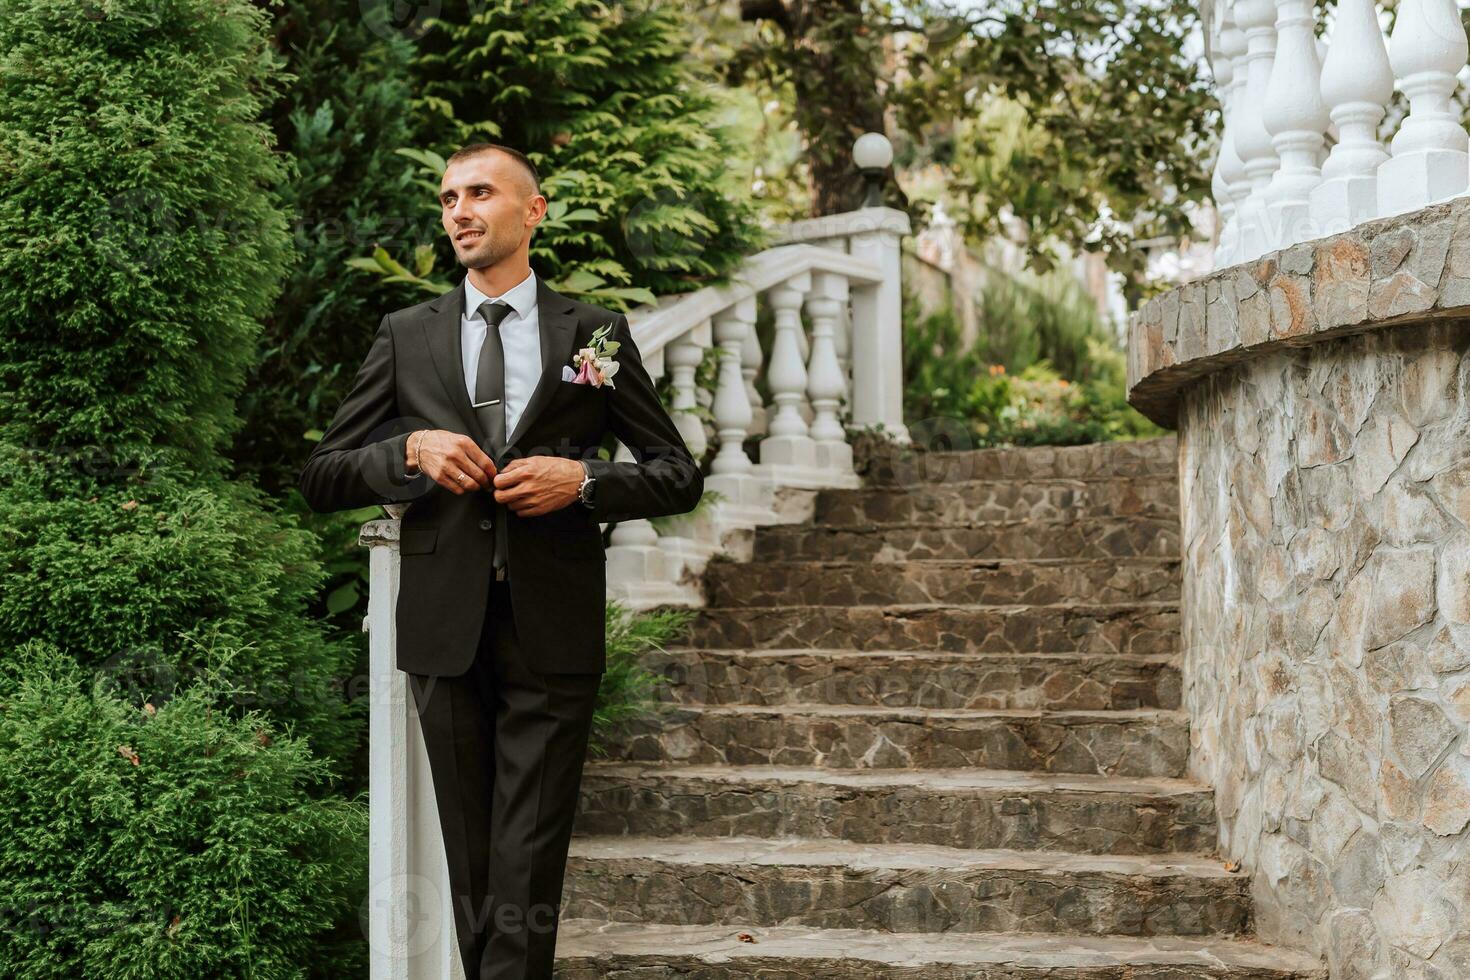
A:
(420, 433)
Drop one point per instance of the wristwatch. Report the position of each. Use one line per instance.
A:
(589, 484)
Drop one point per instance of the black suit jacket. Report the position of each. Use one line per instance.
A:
(412, 378)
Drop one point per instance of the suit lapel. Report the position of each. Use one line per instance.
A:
(558, 331)
(558, 328)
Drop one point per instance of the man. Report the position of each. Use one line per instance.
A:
(462, 410)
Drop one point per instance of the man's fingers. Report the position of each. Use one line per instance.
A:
(476, 455)
(448, 482)
(471, 470)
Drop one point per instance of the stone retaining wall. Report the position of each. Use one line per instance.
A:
(1322, 400)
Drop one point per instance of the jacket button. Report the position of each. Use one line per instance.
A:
(486, 524)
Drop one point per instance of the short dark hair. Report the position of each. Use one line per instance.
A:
(474, 149)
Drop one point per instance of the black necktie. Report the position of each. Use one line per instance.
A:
(490, 375)
(490, 403)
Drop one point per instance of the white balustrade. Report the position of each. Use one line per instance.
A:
(683, 357)
(1287, 94)
(731, 409)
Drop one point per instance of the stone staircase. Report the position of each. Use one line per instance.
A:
(933, 732)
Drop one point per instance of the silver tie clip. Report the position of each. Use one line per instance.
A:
(493, 401)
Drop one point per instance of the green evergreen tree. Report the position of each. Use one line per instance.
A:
(347, 190)
(622, 124)
(163, 843)
(140, 244)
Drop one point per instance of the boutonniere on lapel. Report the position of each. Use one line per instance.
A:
(594, 364)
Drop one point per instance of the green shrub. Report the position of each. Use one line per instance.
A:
(628, 689)
(151, 573)
(139, 244)
(142, 239)
(338, 124)
(1035, 405)
(167, 842)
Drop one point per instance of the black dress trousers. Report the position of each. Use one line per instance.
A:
(506, 747)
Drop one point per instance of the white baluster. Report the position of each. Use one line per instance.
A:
(1232, 169)
(683, 357)
(842, 344)
(787, 442)
(1228, 167)
(1357, 83)
(1257, 18)
(732, 405)
(1296, 117)
(1431, 152)
(747, 496)
(1332, 133)
(750, 365)
(641, 570)
(824, 375)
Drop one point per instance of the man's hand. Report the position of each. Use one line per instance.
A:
(454, 461)
(536, 485)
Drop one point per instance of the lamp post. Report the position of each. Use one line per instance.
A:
(872, 153)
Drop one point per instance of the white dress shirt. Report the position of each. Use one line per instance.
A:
(520, 335)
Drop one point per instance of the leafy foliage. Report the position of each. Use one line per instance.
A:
(137, 246)
(628, 688)
(146, 577)
(125, 337)
(345, 190)
(161, 842)
(1107, 123)
(965, 392)
(621, 124)
(826, 60)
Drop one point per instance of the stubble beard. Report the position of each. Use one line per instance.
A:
(486, 252)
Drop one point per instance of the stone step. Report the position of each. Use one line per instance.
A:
(591, 949)
(899, 888)
(972, 808)
(1156, 458)
(1144, 742)
(918, 679)
(959, 581)
(1089, 537)
(999, 500)
(1143, 628)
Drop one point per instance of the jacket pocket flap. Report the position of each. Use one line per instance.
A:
(417, 540)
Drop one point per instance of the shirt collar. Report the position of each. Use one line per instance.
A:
(521, 297)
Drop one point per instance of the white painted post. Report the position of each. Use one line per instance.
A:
(1357, 83)
(1257, 18)
(1296, 117)
(1431, 152)
(751, 358)
(410, 918)
(877, 326)
(747, 497)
